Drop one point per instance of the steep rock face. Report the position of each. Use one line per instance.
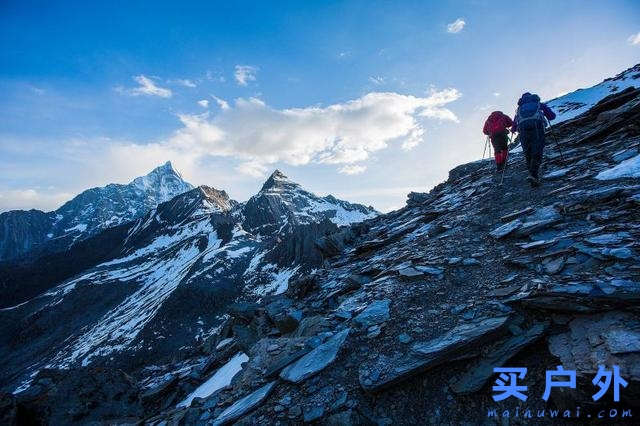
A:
(86, 214)
(22, 230)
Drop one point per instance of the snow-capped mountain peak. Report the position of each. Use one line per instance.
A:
(278, 181)
(164, 181)
(88, 213)
(282, 202)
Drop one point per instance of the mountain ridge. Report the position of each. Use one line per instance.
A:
(86, 214)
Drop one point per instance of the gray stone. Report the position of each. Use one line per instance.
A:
(612, 338)
(404, 338)
(511, 216)
(506, 229)
(244, 405)
(316, 360)
(505, 291)
(534, 226)
(376, 313)
(608, 239)
(410, 272)
(553, 266)
(430, 270)
(311, 414)
(584, 297)
(281, 313)
(618, 253)
(461, 342)
(479, 372)
(311, 326)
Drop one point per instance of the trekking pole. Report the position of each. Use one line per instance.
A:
(553, 135)
(486, 142)
(506, 160)
(504, 167)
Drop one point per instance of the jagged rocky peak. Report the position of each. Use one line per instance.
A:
(165, 181)
(201, 201)
(278, 181)
(219, 198)
(283, 202)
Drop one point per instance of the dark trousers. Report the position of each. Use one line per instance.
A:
(532, 140)
(499, 142)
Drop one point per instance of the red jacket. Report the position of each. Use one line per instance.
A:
(496, 123)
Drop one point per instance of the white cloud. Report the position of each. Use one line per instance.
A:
(344, 134)
(456, 26)
(184, 82)
(352, 169)
(147, 88)
(496, 94)
(11, 199)
(634, 39)
(244, 74)
(252, 168)
(203, 103)
(377, 80)
(221, 102)
(215, 76)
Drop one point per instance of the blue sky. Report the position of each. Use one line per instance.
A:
(366, 100)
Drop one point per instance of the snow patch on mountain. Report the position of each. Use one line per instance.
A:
(221, 378)
(578, 102)
(627, 168)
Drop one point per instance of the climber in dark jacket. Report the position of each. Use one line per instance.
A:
(530, 121)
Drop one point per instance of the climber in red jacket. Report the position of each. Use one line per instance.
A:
(496, 128)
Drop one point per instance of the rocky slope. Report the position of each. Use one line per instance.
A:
(87, 214)
(399, 319)
(575, 103)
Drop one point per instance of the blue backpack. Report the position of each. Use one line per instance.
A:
(530, 114)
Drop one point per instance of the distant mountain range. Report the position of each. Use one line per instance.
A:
(96, 209)
(139, 287)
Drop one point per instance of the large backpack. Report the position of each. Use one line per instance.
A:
(530, 113)
(496, 123)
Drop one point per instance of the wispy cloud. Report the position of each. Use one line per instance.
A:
(456, 26)
(634, 39)
(221, 102)
(184, 82)
(215, 76)
(377, 80)
(203, 103)
(352, 169)
(146, 88)
(244, 74)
